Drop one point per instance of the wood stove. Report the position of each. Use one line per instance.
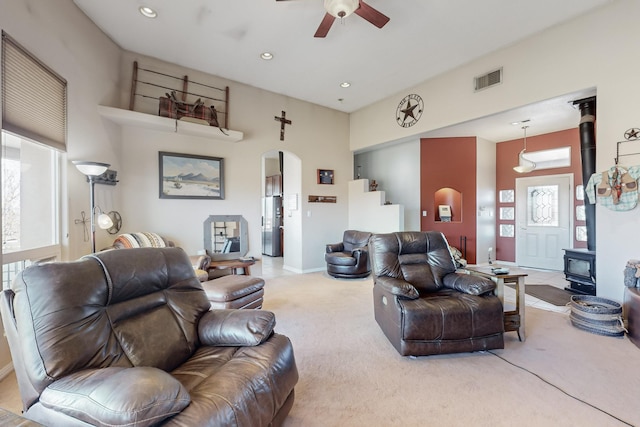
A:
(580, 271)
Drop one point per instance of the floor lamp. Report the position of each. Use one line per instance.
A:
(92, 170)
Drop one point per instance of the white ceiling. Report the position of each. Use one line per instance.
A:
(422, 39)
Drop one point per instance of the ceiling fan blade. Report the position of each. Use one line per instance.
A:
(371, 15)
(325, 25)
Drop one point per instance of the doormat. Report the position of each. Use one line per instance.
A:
(547, 293)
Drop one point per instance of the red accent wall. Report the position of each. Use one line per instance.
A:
(507, 157)
(450, 162)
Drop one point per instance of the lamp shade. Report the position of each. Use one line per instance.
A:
(104, 221)
(524, 165)
(341, 8)
(91, 168)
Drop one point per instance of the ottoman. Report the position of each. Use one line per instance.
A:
(235, 291)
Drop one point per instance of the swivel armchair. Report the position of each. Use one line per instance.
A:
(349, 259)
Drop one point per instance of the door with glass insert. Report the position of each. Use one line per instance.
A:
(543, 218)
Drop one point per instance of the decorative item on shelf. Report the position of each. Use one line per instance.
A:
(373, 185)
(322, 199)
(92, 170)
(171, 106)
(109, 177)
(359, 172)
(325, 176)
(196, 112)
(180, 179)
(524, 165)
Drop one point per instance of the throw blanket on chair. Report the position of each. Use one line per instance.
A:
(140, 240)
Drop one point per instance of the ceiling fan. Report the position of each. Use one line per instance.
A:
(343, 8)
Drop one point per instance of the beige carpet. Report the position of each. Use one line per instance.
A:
(350, 375)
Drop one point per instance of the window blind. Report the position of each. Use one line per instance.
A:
(34, 98)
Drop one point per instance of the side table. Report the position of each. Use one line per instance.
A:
(513, 320)
(234, 265)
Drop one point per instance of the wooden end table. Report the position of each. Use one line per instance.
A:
(514, 319)
(234, 265)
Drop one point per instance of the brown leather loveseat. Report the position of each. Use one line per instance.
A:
(423, 305)
(127, 338)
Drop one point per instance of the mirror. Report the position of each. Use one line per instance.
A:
(225, 237)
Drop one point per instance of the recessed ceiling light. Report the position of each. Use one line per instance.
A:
(345, 84)
(148, 12)
(266, 56)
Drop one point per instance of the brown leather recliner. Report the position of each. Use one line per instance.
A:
(349, 259)
(423, 305)
(127, 338)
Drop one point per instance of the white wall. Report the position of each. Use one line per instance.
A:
(368, 211)
(396, 169)
(317, 137)
(63, 38)
(485, 199)
(590, 51)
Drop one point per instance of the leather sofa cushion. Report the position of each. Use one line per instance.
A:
(469, 284)
(232, 287)
(451, 315)
(236, 327)
(94, 312)
(212, 377)
(340, 258)
(115, 397)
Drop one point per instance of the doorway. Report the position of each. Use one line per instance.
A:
(281, 218)
(543, 220)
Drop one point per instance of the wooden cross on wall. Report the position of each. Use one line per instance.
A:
(283, 121)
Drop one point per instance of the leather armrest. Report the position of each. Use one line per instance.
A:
(335, 247)
(468, 283)
(397, 287)
(140, 396)
(200, 262)
(236, 327)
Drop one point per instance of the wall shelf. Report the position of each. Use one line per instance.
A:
(149, 121)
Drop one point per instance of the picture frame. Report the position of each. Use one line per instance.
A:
(190, 176)
(325, 176)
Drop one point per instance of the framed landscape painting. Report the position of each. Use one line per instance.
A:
(189, 176)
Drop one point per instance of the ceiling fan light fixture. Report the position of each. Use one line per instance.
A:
(341, 8)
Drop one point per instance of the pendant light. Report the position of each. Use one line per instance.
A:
(524, 165)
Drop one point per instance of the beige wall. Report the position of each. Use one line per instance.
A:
(318, 137)
(62, 37)
(591, 51)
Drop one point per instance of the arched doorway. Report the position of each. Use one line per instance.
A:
(281, 213)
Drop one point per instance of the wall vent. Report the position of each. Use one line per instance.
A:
(488, 80)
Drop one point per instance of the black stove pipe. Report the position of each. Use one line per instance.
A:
(588, 152)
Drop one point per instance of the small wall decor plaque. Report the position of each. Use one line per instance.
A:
(325, 176)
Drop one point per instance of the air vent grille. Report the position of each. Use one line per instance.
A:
(488, 80)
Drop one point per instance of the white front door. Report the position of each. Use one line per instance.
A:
(543, 220)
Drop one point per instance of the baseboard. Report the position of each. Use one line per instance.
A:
(299, 271)
(6, 370)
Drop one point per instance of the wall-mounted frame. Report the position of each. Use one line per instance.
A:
(322, 199)
(189, 176)
(325, 176)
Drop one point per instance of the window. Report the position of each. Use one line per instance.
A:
(33, 139)
(30, 207)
